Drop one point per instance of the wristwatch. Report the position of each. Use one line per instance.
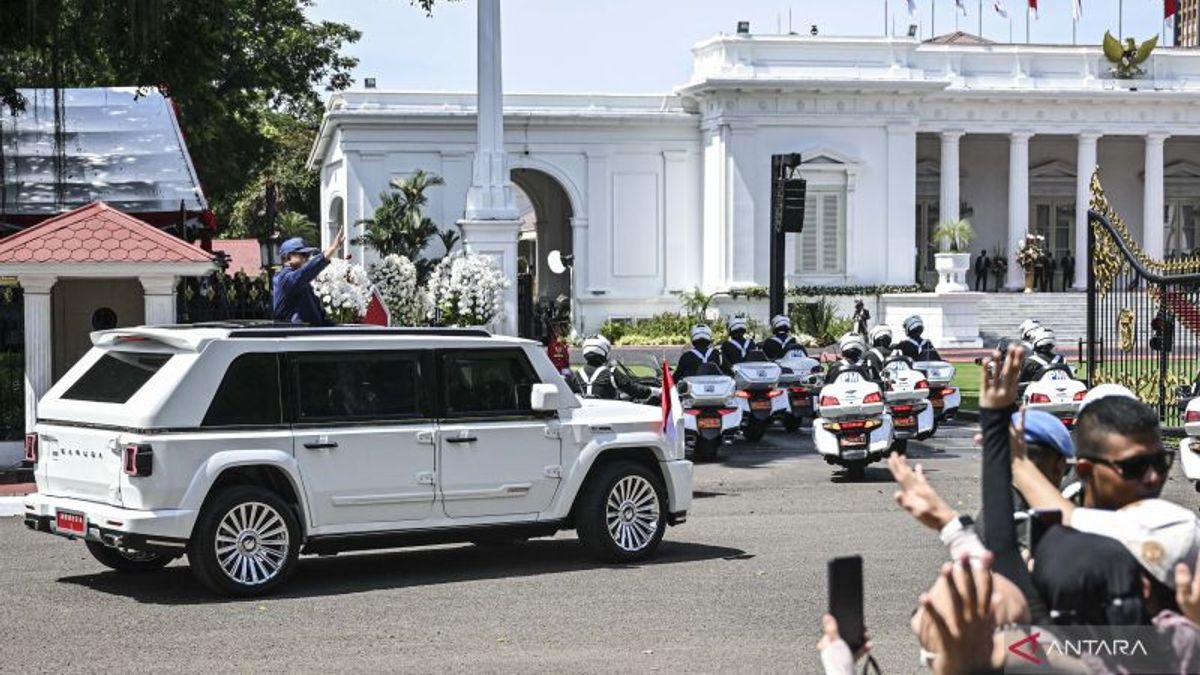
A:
(952, 528)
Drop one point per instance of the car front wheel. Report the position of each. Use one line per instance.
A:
(245, 543)
(621, 514)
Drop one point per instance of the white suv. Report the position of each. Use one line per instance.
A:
(244, 445)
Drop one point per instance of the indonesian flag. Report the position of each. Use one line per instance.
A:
(1170, 7)
(1077, 9)
(999, 7)
(1033, 7)
(377, 312)
(961, 5)
(672, 410)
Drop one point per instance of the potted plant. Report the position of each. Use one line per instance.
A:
(953, 259)
(1029, 253)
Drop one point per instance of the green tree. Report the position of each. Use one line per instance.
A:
(226, 63)
(291, 224)
(297, 188)
(399, 226)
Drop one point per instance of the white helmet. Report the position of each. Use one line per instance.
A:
(1028, 326)
(737, 323)
(882, 330)
(1042, 337)
(596, 345)
(780, 321)
(851, 341)
(912, 323)
(701, 332)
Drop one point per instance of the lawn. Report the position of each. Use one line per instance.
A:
(966, 378)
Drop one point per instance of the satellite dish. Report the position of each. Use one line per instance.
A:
(557, 262)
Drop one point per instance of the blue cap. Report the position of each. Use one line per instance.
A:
(1042, 428)
(295, 245)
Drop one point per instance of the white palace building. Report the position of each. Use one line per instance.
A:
(663, 193)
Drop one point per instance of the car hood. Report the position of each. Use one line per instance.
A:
(601, 411)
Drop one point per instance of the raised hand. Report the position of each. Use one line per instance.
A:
(1000, 378)
(1187, 591)
(917, 496)
(964, 618)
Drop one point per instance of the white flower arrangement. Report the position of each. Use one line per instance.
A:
(465, 289)
(395, 277)
(344, 291)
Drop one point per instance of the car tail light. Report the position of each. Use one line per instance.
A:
(31, 448)
(873, 397)
(1039, 398)
(1068, 422)
(1079, 395)
(694, 412)
(829, 400)
(138, 459)
(1192, 416)
(726, 411)
(798, 390)
(853, 425)
(742, 393)
(902, 408)
(774, 393)
(922, 384)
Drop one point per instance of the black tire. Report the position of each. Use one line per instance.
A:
(856, 471)
(625, 482)
(900, 446)
(705, 449)
(791, 423)
(755, 429)
(202, 550)
(127, 561)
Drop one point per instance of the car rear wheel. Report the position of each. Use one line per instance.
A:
(128, 560)
(621, 513)
(246, 542)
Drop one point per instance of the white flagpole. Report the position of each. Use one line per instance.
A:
(1027, 12)
(932, 18)
(1121, 20)
(980, 18)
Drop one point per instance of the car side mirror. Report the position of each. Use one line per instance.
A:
(544, 397)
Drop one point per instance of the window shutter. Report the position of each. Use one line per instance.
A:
(830, 234)
(806, 261)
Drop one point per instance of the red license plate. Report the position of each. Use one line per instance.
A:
(69, 522)
(852, 440)
(760, 405)
(906, 422)
(708, 423)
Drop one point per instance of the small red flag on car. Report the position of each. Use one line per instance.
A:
(377, 313)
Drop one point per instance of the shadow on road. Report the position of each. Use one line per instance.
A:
(357, 573)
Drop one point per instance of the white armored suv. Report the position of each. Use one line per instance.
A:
(245, 445)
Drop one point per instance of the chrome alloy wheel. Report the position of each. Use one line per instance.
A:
(252, 543)
(632, 513)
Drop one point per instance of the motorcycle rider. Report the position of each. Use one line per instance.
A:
(600, 379)
(738, 345)
(697, 354)
(914, 346)
(881, 347)
(781, 342)
(1043, 357)
(851, 347)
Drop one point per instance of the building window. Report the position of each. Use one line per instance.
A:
(1054, 219)
(1181, 226)
(820, 248)
(927, 222)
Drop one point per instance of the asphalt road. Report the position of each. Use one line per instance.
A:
(739, 588)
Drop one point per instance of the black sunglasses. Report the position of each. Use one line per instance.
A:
(1135, 468)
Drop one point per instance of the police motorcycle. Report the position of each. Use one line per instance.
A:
(759, 396)
(943, 395)
(852, 428)
(711, 413)
(802, 375)
(1189, 447)
(1048, 382)
(603, 378)
(906, 395)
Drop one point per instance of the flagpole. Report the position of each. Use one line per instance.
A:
(1027, 23)
(932, 19)
(1121, 19)
(980, 18)
(1074, 28)
(885, 23)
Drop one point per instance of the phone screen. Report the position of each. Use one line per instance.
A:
(846, 599)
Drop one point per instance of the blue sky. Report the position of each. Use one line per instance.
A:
(642, 46)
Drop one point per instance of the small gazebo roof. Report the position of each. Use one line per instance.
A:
(97, 233)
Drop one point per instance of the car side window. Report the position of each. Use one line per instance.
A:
(248, 394)
(487, 383)
(357, 386)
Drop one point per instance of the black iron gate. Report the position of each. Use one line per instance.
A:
(222, 297)
(1143, 315)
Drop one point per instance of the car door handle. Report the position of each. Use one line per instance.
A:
(328, 445)
(461, 439)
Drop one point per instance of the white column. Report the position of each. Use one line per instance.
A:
(579, 269)
(714, 273)
(39, 342)
(1085, 165)
(901, 249)
(490, 226)
(742, 175)
(158, 293)
(948, 195)
(1018, 202)
(1152, 201)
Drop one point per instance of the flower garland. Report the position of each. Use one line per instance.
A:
(1031, 251)
(465, 289)
(395, 277)
(344, 291)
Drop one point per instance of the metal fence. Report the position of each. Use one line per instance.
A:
(1143, 315)
(221, 297)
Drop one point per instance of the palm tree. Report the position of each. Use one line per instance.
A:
(398, 226)
(292, 224)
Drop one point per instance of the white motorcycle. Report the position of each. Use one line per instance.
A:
(906, 394)
(758, 395)
(943, 395)
(803, 378)
(1057, 392)
(711, 414)
(852, 428)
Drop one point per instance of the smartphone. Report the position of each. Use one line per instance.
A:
(1041, 520)
(846, 599)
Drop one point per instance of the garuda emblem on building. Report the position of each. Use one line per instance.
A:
(1127, 58)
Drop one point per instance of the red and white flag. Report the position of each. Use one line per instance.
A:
(962, 6)
(1170, 8)
(672, 410)
(999, 7)
(377, 312)
(1076, 9)
(1033, 6)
